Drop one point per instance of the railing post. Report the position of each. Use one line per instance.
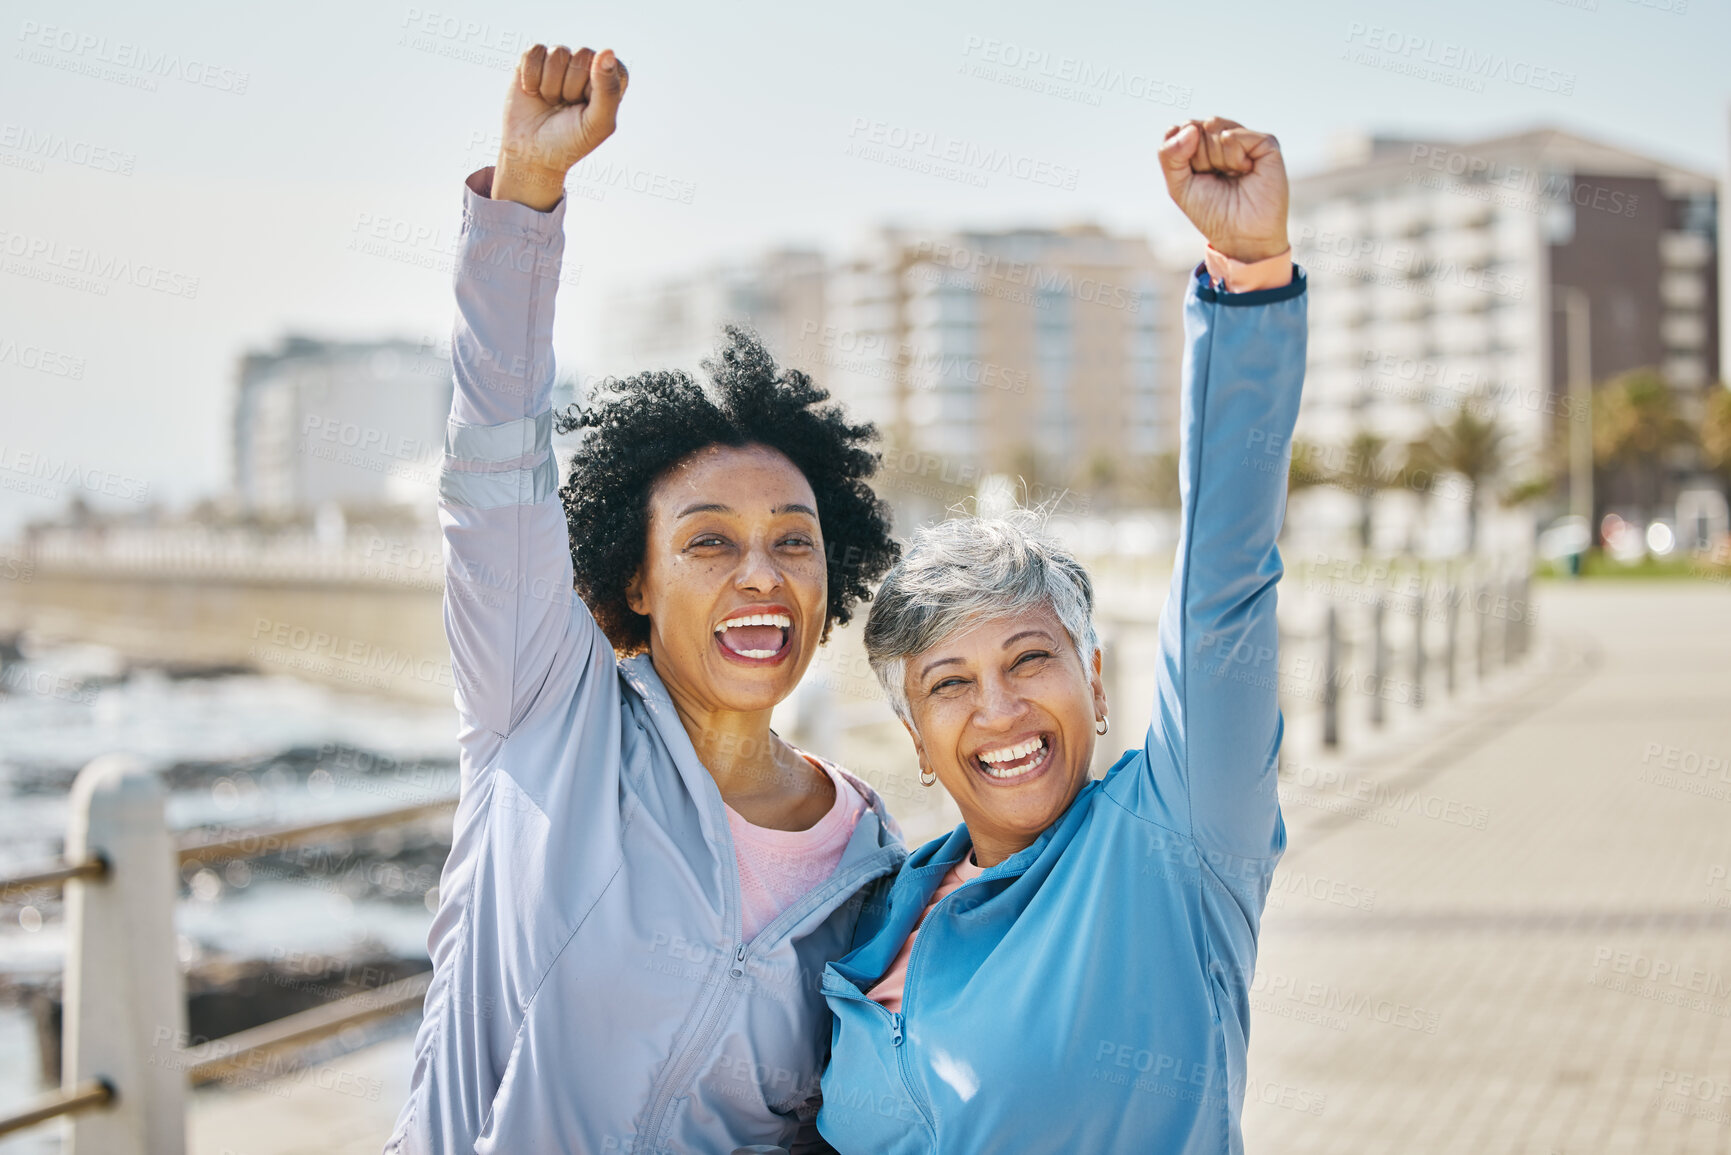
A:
(125, 1008)
(1419, 606)
(1482, 632)
(1378, 657)
(1331, 681)
(1451, 625)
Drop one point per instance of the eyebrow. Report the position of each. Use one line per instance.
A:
(1008, 642)
(713, 507)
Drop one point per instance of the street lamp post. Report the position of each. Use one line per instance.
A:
(1578, 319)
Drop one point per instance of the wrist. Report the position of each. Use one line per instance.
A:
(1249, 250)
(534, 185)
(1237, 276)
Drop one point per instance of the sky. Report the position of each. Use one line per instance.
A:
(246, 171)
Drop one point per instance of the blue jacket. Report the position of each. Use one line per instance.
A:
(591, 988)
(1090, 993)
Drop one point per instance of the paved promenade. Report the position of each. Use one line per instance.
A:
(1509, 929)
(1503, 926)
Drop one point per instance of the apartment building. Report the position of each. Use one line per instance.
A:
(355, 425)
(1513, 270)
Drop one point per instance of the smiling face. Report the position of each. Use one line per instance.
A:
(1003, 712)
(733, 579)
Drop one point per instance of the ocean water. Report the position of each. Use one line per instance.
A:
(236, 751)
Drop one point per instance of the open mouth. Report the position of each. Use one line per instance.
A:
(758, 637)
(1008, 763)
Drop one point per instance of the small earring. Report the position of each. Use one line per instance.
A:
(926, 778)
(1101, 725)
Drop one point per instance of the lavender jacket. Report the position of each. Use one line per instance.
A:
(592, 989)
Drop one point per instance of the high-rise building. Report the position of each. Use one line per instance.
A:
(1048, 356)
(1510, 270)
(1035, 351)
(354, 425)
(676, 324)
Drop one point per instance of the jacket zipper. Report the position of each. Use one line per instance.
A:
(898, 1019)
(873, 867)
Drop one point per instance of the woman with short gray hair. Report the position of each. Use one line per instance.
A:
(1069, 969)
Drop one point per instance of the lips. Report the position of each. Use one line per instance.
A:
(755, 637)
(1016, 760)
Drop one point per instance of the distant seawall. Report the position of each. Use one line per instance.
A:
(343, 620)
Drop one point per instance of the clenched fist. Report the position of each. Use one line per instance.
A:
(560, 106)
(1231, 183)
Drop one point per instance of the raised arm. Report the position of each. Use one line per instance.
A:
(1216, 726)
(510, 610)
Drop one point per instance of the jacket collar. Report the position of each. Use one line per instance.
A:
(638, 671)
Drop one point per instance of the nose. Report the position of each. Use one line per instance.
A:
(1001, 706)
(758, 572)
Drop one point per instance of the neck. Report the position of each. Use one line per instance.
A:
(735, 746)
(990, 850)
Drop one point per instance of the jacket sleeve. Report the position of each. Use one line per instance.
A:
(510, 610)
(523, 646)
(1212, 744)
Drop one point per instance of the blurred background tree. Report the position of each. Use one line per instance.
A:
(1636, 431)
(1468, 446)
(1716, 436)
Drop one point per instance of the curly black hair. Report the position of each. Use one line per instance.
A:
(639, 428)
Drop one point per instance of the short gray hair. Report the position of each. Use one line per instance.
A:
(969, 570)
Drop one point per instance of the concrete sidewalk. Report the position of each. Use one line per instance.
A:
(1509, 930)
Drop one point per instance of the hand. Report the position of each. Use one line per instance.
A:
(559, 108)
(1231, 183)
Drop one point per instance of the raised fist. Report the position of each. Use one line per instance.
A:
(1231, 183)
(560, 106)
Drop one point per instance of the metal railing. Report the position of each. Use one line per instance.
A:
(126, 1064)
(1395, 638)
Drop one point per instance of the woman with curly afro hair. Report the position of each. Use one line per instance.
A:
(645, 882)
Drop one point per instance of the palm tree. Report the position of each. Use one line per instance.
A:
(1307, 468)
(1365, 472)
(1716, 433)
(1471, 447)
(1636, 426)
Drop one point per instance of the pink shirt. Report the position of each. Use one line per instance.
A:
(777, 867)
(888, 990)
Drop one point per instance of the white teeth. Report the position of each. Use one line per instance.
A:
(781, 620)
(756, 653)
(1011, 753)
